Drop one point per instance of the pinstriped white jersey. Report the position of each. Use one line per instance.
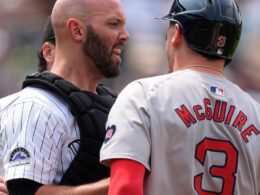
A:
(39, 134)
(1, 155)
(197, 134)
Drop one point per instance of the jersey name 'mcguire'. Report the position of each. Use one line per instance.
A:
(220, 114)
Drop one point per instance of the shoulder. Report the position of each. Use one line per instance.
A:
(36, 96)
(105, 91)
(138, 92)
(148, 83)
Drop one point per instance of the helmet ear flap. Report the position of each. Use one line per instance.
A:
(211, 27)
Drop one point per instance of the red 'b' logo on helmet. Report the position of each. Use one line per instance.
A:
(221, 41)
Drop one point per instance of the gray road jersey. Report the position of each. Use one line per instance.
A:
(194, 132)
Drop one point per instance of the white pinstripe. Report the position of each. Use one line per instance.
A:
(42, 124)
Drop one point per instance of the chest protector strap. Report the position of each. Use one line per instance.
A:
(90, 111)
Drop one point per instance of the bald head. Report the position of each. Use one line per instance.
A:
(90, 34)
(65, 9)
(83, 10)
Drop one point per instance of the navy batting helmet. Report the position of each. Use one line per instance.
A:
(211, 27)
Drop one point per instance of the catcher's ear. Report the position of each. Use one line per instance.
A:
(75, 29)
(48, 52)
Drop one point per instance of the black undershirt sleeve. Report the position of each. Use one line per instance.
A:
(22, 187)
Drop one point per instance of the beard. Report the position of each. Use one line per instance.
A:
(97, 49)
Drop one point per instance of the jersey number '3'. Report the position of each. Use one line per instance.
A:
(225, 172)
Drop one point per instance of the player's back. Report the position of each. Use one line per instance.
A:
(205, 136)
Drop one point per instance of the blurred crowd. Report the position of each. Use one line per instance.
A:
(21, 25)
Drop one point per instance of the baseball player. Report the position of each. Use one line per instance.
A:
(41, 135)
(47, 51)
(189, 132)
(46, 58)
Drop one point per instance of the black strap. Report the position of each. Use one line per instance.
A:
(91, 111)
(22, 187)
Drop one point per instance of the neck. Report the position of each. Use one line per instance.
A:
(80, 75)
(205, 68)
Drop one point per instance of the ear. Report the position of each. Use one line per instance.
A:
(75, 29)
(176, 38)
(48, 52)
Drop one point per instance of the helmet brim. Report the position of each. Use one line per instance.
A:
(167, 17)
